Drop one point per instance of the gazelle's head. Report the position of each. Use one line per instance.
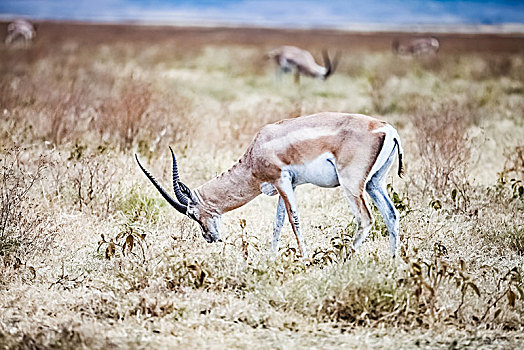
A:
(434, 43)
(209, 222)
(189, 204)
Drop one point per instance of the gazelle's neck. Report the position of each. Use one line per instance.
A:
(229, 190)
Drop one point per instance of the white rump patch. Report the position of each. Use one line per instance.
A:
(387, 148)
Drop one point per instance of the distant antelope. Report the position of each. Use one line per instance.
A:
(291, 58)
(20, 29)
(326, 149)
(416, 47)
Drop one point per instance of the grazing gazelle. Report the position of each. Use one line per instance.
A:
(292, 58)
(416, 47)
(20, 29)
(326, 149)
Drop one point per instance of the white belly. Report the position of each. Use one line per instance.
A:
(321, 172)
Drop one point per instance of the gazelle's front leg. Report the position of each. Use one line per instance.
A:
(279, 222)
(297, 76)
(287, 193)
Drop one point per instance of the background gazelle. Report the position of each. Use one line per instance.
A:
(292, 58)
(326, 149)
(20, 29)
(416, 47)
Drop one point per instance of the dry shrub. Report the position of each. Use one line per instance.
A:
(83, 178)
(444, 147)
(434, 64)
(426, 291)
(358, 292)
(514, 165)
(510, 183)
(514, 238)
(16, 182)
(366, 300)
(125, 115)
(91, 177)
(448, 291)
(64, 337)
(248, 62)
(378, 92)
(249, 121)
(507, 196)
(9, 95)
(494, 67)
(51, 108)
(24, 230)
(503, 229)
(62, 110)
(172, 121)
(139, 116)
(384, 97)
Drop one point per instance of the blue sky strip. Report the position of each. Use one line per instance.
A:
(282, 13)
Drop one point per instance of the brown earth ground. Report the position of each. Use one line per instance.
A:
(51, 32)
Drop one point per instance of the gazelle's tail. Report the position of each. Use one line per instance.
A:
(389, 146)
(400, 152)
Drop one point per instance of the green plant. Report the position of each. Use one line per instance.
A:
(430, 279)
(129, 237)
(340, 250)
(247, 242)
(401, 203)
(192, 274)
(136, 206)
(511, 286)
(437, 281)
(244, 241)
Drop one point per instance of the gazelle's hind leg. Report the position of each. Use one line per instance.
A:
(358, 204)
(287, 193)
(376, 188)
(364, 219)
(279, 222)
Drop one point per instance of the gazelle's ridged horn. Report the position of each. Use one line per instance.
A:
(327, 64)
(179, 195)
(330, 67)
(186, 191)
(179, 207)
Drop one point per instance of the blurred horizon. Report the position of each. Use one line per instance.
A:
(339, 14)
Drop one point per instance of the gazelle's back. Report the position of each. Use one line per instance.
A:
(298, 56)
(301, 140)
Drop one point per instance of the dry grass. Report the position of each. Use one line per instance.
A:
(92, 257)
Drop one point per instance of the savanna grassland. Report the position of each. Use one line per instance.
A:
(92, 257)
